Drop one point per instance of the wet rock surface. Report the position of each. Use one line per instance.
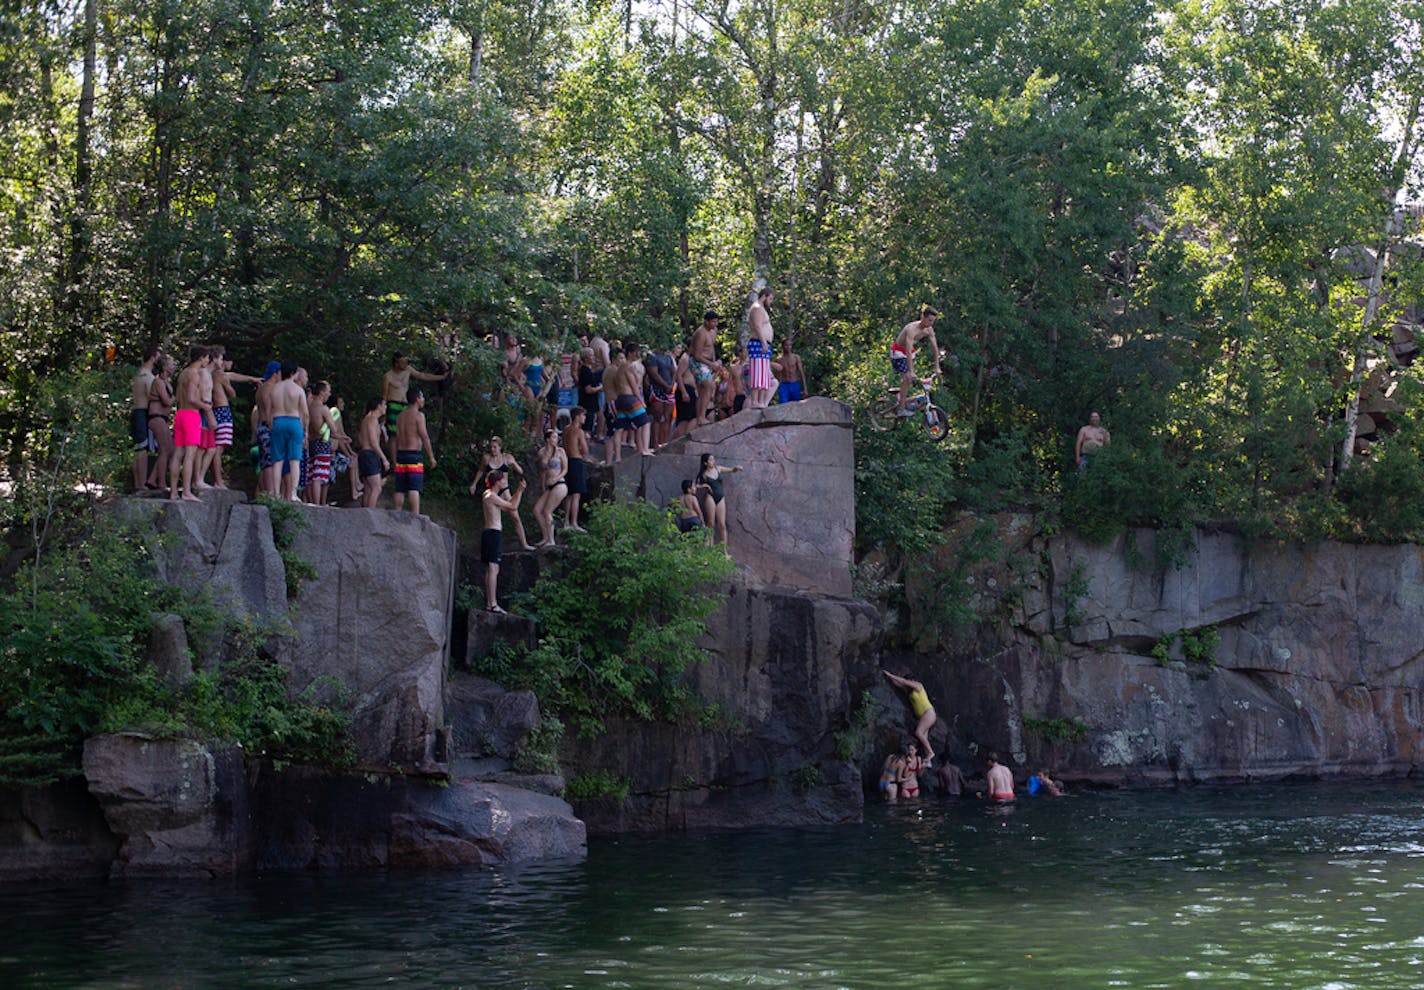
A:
(179, 807)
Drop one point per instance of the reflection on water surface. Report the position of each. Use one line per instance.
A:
(1318, 886)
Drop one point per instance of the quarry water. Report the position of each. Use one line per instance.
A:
(1290, 886)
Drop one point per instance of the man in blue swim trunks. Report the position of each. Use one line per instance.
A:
(288, 404)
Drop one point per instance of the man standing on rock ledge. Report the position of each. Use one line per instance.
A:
(496, 500)
(1090, 438)
(287, 403)
(395, 385)
(411, 442)
(760, 383)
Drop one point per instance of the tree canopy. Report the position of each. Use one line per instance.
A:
(1198, 217)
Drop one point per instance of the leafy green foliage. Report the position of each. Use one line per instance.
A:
(853, 742)
(1165, 210)
(619, 621)
(598, 784)
(72, 663)
(539, 753)
(1198, 646)
(288, 519)
(1056, 729)
(903, 489)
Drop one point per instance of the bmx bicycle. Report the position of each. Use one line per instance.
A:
(919, 408)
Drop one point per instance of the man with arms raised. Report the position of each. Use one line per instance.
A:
(194, 414)
(287, 401)
(223, 394)
(411, 443)
(760, 382)
(902, 353)
(371, 459)
(394, 386)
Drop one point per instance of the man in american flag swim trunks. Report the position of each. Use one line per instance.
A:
(760, 383)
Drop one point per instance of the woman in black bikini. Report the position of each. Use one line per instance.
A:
(160, 403)
(553, 465)
(714, 505)
(497, 458)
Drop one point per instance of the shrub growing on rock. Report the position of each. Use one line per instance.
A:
(619, 620)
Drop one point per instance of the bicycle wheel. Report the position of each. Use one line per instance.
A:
(936, 423)
(882, 413)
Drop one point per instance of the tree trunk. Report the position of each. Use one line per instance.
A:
(1393, 228)
(79, 301)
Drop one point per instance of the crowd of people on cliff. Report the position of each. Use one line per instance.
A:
(609, 392)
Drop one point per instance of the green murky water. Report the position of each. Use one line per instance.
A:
(1308, 886)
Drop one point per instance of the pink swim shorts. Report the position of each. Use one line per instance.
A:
(187, 428)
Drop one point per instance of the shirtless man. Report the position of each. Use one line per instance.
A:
(193, 400)
(287, 403)
(1000, 780)
(496, 500)
(629, 401)
(902, 354)
(760, 383)
(789, 370)
(267, 476)
(702, 361)
(612, 386)
(143, 442)
(394, 386)
(575, 442)
(320, 428)
(411, 439)
(660, 367)
(370, 458)
(601, 357)
(223, 394)
(1090, 438)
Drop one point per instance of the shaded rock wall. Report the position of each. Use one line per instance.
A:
(54, 833)
(786, 670)
(1317, 671)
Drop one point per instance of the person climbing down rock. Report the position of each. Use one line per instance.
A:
(920, 707)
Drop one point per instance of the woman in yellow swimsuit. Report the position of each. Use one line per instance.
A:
(921, 708)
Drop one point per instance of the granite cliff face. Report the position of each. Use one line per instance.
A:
(376, 619)
(1249, 661)
(791, 509)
